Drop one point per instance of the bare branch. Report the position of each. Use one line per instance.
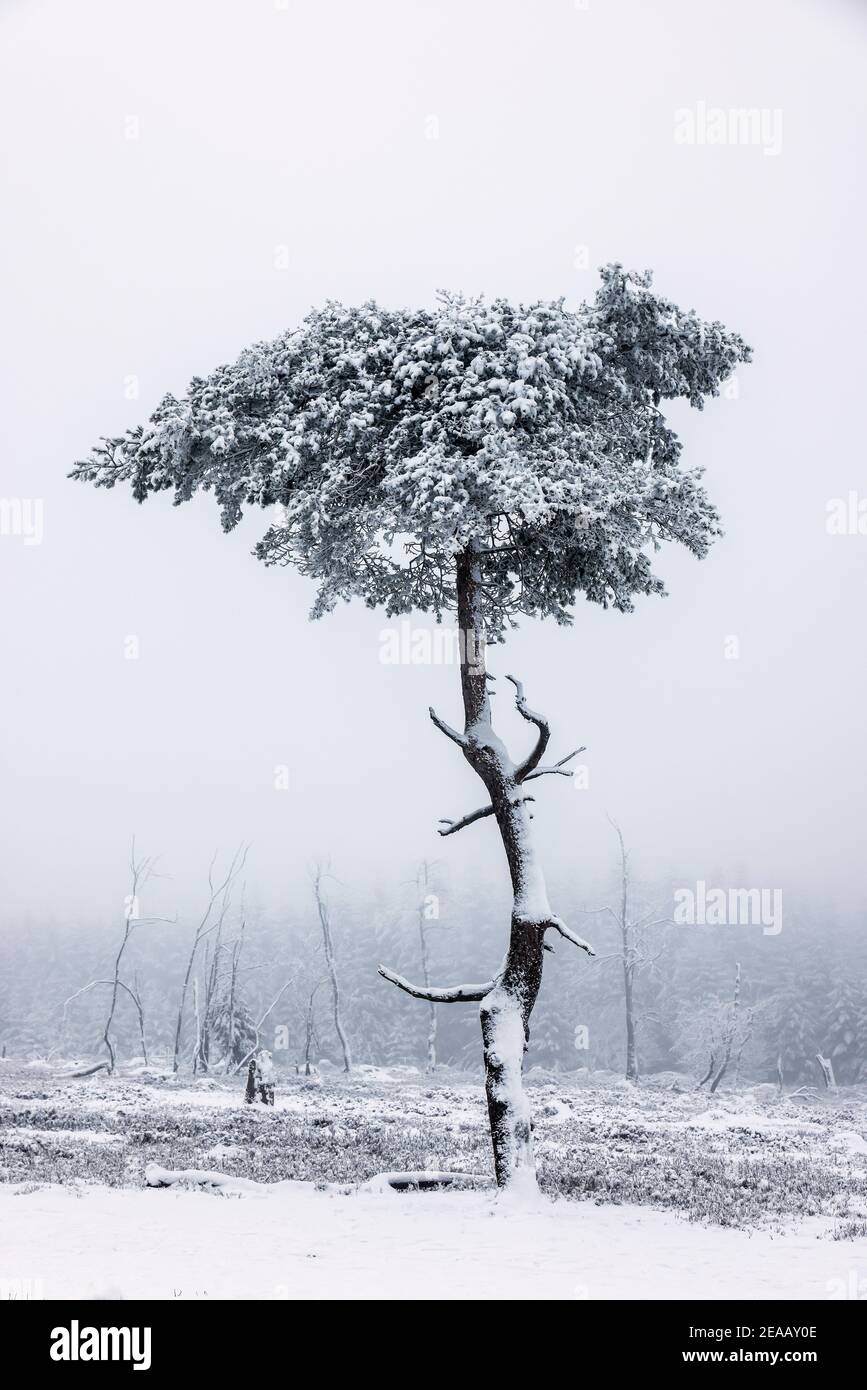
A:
(222, 891)
(559, 925)
(557, 768)
(328, 946)
(529, 763)
(447, 729)
(93, 983)
(455, 825)
(258, 1026)
(595, 912)
(607, 960)
(457, 994)
(624, 853)
(651, 921)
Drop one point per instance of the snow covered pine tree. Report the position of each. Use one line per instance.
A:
(477, 457)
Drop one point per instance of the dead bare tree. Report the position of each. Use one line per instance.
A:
(212, 983)
(328, 944)
(826, 1068)
(635, 952)
(234, 966)
(628, 959)
(132, 992)
(712, 1031)
(197, 1044)
(141, 871)
(258, 1026)
(711, 1067)
(210, 977)
(730, 1031)
(423, 881)
(218, 892)
(310, 1038)
(744, 1041)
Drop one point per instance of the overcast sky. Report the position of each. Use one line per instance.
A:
(185, 178)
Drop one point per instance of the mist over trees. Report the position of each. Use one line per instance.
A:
(796, 1001)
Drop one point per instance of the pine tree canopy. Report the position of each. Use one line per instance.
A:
(388, 441)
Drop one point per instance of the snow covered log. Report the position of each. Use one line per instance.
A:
(422, 1180)
(155, 1176)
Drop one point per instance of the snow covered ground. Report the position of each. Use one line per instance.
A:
(301, 1243)
(652, 1192)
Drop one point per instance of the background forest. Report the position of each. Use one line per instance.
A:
(802, 992)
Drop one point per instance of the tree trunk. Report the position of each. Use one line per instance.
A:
(827, 1070)
(197, 1045)
(425, 970)
(432, 1040)
(506, 1002)
(730, 1032)
(325, 922)
(236, 956)
(505, 1011)
(310, 1030)
(709, 1073)
(505, 1016)
(742, 1048)
(116, 984)
(631, 1051)
(176, 1056)
(628, 963)
(135, 995)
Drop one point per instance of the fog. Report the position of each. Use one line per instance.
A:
(182, 180)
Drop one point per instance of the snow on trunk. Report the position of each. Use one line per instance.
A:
(505, 1012)
(507, 1001)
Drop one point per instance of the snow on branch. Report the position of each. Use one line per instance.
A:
(447, 729)
(454, 825)
(541, 723)
(456, 994)
(558, 440)
(559, 925)
(557, 769)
